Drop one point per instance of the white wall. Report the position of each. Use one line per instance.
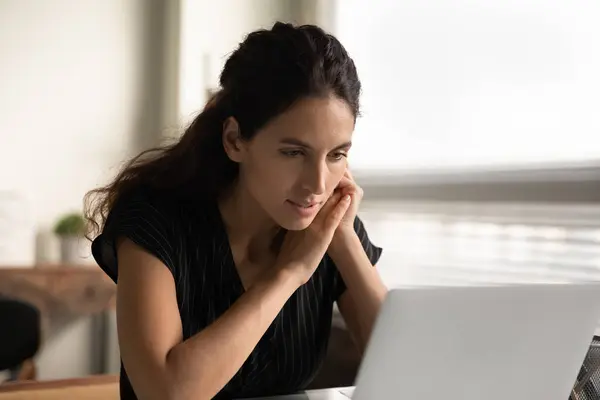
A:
(74, 97)
(78, 95)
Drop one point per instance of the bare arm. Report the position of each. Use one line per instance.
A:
(360, 303)
(159, 364)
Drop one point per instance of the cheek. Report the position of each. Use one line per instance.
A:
(268, 174)
(335, 177)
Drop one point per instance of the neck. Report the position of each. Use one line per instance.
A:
(249, 228)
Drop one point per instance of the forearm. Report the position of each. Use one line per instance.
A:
(202, 365)
(363, 282)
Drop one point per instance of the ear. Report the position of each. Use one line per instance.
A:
(232, 140)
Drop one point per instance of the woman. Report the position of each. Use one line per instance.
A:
(231, 245)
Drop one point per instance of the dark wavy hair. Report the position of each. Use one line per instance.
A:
(267, 73)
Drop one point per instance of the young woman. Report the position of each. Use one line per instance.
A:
(230, 246)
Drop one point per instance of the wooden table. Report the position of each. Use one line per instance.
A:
(101, 387)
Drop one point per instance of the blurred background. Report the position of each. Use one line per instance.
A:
(478, 147)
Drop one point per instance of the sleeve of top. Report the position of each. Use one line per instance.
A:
(147, 222)
(373, 253)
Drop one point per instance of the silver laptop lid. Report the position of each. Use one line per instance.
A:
(518, 342)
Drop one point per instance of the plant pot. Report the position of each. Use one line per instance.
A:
(71, 249)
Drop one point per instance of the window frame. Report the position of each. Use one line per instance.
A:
(556, 183)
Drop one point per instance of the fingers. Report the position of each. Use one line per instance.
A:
(347, 184)
(329, 206)
(349, 189)
(334, 217)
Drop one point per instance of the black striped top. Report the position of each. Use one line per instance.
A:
(191, 241)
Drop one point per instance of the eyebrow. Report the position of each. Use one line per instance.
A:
(296, 142)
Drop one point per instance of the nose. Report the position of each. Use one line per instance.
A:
(315, 177)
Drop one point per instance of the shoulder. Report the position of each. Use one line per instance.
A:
(145, 216)
(168, 213)
(154, 220)
(149, 207)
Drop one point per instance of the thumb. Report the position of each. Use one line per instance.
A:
(334, 217)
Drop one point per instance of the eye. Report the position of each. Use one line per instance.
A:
(339, 156)
(292, 153)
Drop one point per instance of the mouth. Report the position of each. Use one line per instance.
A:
(304, 209)
(304, 204)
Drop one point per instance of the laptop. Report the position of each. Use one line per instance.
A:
(518, 342)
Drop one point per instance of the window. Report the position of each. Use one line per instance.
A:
(473, 243)
(463, 83)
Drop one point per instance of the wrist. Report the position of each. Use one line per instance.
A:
(289, 276)
(342, 241)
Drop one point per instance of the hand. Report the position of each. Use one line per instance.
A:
(302, 251)
(347, 186)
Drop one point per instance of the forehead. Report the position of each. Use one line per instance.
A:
(319, 121)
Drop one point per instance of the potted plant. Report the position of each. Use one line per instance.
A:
(71, 230)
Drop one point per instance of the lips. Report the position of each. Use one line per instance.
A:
(303, 209)
(303, 204)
